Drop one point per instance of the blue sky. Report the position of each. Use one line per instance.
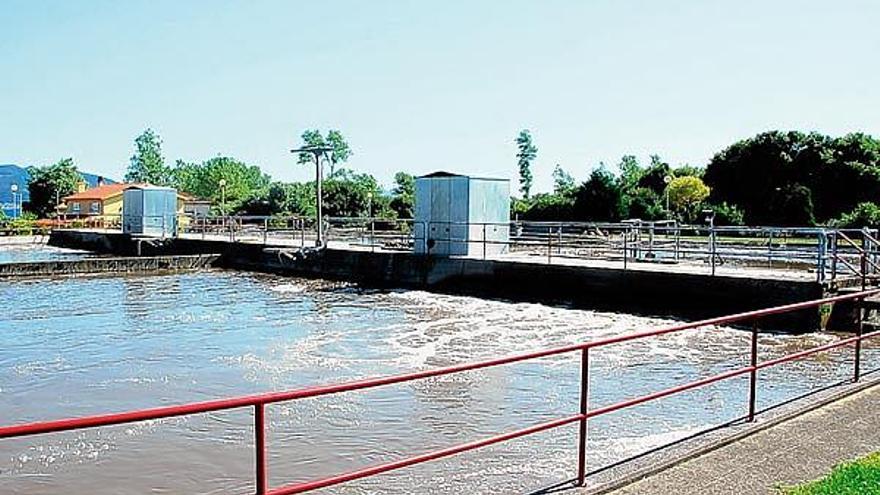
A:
(420, 86)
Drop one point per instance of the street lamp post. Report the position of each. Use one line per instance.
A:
(14, 189)
(317, 152)
(666, 180)
(222, 184)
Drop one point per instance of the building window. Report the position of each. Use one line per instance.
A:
(95, 207)
(74, 207)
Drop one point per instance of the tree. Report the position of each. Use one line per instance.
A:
(49, 184)
(686, 194)
(352, 195)
(792, 205)
(599, 198)
(526, 153)
(147, 164)
(563, 182)
(287, 199)
(630, 172)
(403, 195)
(863, 215)
(839, 173)
(243, 183)
(339, 154)
(643, 203)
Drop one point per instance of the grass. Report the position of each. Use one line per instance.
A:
(859, 477)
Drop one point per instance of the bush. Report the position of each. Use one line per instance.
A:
(727, 214)
(863, 215)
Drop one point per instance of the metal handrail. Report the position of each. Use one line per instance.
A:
(260, 401)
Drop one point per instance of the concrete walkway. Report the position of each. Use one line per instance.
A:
(801, 449)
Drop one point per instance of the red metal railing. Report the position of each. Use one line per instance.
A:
(260, 401)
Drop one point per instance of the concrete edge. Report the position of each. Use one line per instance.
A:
(693, 453)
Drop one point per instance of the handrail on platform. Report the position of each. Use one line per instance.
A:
(260, 401)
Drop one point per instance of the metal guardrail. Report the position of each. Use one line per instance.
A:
(259, 402)
(833, 255)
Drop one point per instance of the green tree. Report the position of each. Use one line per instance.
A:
(49, 184)
(686, 194)
(147, 164)
(599, 198)
(727, 214)
(403, 195)
(643, 203)
(630, 172)
(526, 153)
(351, 195)
(334, 139)
(244, 184)
(563, 182)
(760, 175)
(863, 215)
(297, 198)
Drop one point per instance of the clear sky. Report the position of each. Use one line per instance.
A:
(420, 85)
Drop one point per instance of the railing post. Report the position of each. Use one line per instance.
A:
(372, 235)
(484, 241)
(549, 245)
(262, 478)
(582, 437)
(625, 245)
(559, 240)
(713, 248)
(753, 375)
(266, 230)
(834, 239)
(857, 361)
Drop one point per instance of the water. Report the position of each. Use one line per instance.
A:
(23, 253)
(94, 345)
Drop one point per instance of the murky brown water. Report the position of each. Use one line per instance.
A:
(92, 345)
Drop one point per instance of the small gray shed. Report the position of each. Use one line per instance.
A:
(149, 211)
(461, 215)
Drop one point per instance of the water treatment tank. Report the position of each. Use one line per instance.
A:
(461, 215)
(149, 211)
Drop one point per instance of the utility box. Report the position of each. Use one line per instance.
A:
(149, 211)
(457, 215)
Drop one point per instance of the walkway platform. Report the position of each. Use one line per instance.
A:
(798, 450)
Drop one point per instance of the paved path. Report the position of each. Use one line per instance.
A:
(802, 449)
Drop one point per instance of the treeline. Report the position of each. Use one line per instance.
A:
(236, 188)
(775, 178)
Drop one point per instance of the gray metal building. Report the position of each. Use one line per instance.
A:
(461, 215)
(149, 211)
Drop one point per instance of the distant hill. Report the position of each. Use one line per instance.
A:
(13, 174)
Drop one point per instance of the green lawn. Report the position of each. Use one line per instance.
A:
(860, 477)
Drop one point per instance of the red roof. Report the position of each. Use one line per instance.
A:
(100, 192)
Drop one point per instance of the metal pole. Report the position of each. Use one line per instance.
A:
(712, 242)
(262, 480)
(549, 245)
(857, 364)
(484, 241)
(625, 245)
(864, 268)
(266, 230)
(372, 235)
(582, 437)
(834, 240)
(753, 375)
(318, 179)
